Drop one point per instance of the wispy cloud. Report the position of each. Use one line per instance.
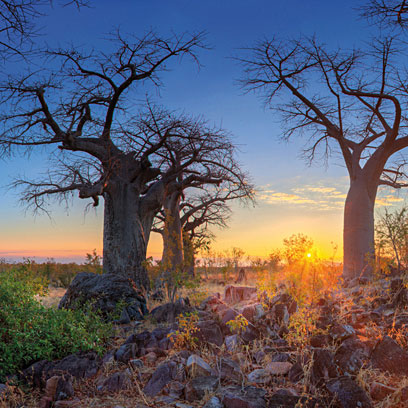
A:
(327, 195)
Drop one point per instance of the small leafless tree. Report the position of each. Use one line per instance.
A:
(197, 213)
(80, 104)
(347, 103)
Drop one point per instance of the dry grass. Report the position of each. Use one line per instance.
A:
(53, 297)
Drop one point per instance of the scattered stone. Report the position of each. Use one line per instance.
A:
(236, 294)
(136, 363)
(79, 365)
(209, 331)
(259, 376)
(280, 358)
(230, 314)
(3, 389)
(176, 389)
(231, 342)
(151, 357)
(246, 397)
(281, 313)
(211, 301)
(296, 373)
(230, 370)
(182, 405)
(104, 292)
(389, 356)
(286, 400)
(319, 340)
(164, 373)
(126, 352)
(253, 312)
(75, 403)
(278, 368)
(259, 357)
(323, 366)
(199, 386)
(351, 356)
(214, 402)
(250, 333)
(116, 382)
(169, 311)
(197, 367)
(347, 393)
(167, 400)
(380, 391)
(57, 388)
(341, 332)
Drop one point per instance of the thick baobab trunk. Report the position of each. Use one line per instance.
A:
(189, 254)
(358, 233)
(126, 235)
(173, 256)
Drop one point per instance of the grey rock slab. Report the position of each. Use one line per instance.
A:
(116, 382)
(348, 393)
(213, 402)
(246, 397)
(199, 386)
(259, 376)
(164, 373)
(389, 356)
(196, 366)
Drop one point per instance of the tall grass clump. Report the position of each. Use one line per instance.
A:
(30, 332)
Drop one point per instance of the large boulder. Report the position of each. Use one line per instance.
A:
(235, 294)
(210, 332)
(199, 386)
(169, 312)
(348, 393)
(164, 374)
(79, 365)
(389, 356)
(246, 397)
(106, 294)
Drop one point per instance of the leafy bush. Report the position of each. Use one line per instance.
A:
(30, 332)
(184, 336)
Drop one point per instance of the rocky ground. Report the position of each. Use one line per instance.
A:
(348, 349)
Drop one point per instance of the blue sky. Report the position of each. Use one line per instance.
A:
(293, 198)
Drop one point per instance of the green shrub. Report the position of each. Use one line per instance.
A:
(30, 332)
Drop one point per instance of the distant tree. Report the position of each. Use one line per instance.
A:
(197, 213)
(80, 103)
(296, 248)
(93, 262)
(349, 103)
(392, 234)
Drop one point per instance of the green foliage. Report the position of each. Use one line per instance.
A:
(30, 332)
(184, 336)
(296, 247)
(302, 326)
(392, 236)
(56, 274)
(93, 262)
(238, 325)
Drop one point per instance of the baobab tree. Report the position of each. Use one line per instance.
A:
(18, 23)
(347, 102)
(197, 212)
(213, 163)
(80, 104)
